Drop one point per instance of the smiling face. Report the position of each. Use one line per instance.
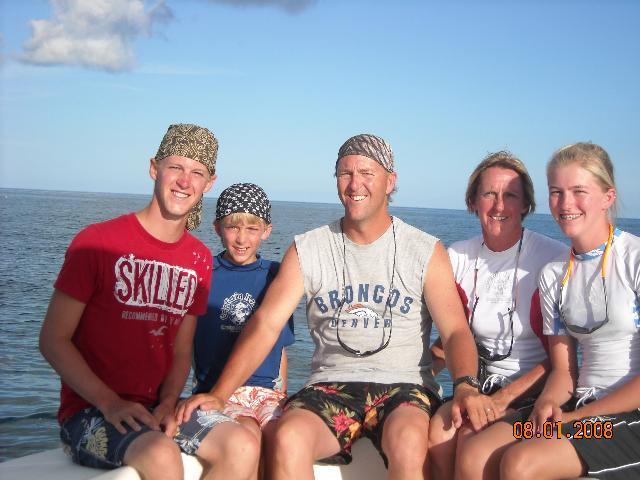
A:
(499, 204)
(242, 238)
(579, 204)
(179, 183)
(363, 186)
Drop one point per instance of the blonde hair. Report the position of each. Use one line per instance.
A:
(239, 217)
(592, 158)
(501, 159)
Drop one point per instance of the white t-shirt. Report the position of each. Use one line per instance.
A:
(611, 354)
(494, 287)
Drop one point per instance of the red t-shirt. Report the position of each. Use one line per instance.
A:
(137, 290)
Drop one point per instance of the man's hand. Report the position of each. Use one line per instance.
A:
(471, 404)
(120, 412)
(164, 415)
(203, 401)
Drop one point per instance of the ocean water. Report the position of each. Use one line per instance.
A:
(35, 228)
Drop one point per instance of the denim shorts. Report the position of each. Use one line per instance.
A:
(92, 441)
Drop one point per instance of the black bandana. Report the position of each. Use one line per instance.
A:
(246, 198)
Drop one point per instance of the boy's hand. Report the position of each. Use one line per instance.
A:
(204, 401)
(164, 415)
(120, 412)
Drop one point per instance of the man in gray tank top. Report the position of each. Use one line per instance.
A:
(373, 285)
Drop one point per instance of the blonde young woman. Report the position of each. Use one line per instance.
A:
(589, 300)
(497, 278)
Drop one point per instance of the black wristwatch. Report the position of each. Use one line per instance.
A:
(469, 380)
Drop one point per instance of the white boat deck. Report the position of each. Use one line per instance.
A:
(55, 465)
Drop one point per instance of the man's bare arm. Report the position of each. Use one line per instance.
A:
(461, 355)
(257, 338)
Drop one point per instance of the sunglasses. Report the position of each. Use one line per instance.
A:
(384, 342)
(577, 328)
(483, 351)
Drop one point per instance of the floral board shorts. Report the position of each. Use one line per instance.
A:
(260, 403)
(90, 440)
(353, 409)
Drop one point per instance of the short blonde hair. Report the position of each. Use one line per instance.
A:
(501, 159)
(239, 217)
(591, 157)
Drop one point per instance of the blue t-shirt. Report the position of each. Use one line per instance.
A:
(236, 292)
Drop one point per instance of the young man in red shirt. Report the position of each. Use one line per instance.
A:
(120, 324)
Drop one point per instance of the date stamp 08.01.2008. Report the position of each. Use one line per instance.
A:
(579, 429)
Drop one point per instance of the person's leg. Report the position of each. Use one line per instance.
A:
(267, 450)
(405, 443)
(226, 448)
(541, 459)
(478, 454)
(301, 437)
(94, 442)
(155, 456)
(251, 424)
(230, 451)
(397, 421)
(442, 443)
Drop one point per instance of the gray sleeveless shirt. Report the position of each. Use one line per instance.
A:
(368, 283)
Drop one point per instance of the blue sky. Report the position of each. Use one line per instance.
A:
(88, 88)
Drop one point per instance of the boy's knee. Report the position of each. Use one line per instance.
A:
(231, 443)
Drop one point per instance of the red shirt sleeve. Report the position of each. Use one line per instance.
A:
(78, 276)
(535, 318)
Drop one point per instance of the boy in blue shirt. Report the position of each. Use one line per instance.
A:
(240, 280)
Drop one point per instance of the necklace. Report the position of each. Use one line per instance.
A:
(383, 343)
(483, 351)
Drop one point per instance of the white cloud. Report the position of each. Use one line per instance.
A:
(92, 33)
(291, 6)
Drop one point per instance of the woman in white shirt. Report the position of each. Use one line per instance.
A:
(496, 274)
(586, 421)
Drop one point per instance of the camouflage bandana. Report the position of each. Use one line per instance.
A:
(368, 146)
(197, 143)
(244, 198)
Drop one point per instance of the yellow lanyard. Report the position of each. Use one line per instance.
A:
(604, 258)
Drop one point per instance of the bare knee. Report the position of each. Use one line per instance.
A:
(289, 442)
(231, 447)
(396, 439)
(516, 464)
(470, 459)
(155, 456)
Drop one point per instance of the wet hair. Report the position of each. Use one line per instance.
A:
(501, 159)
(592, 158)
